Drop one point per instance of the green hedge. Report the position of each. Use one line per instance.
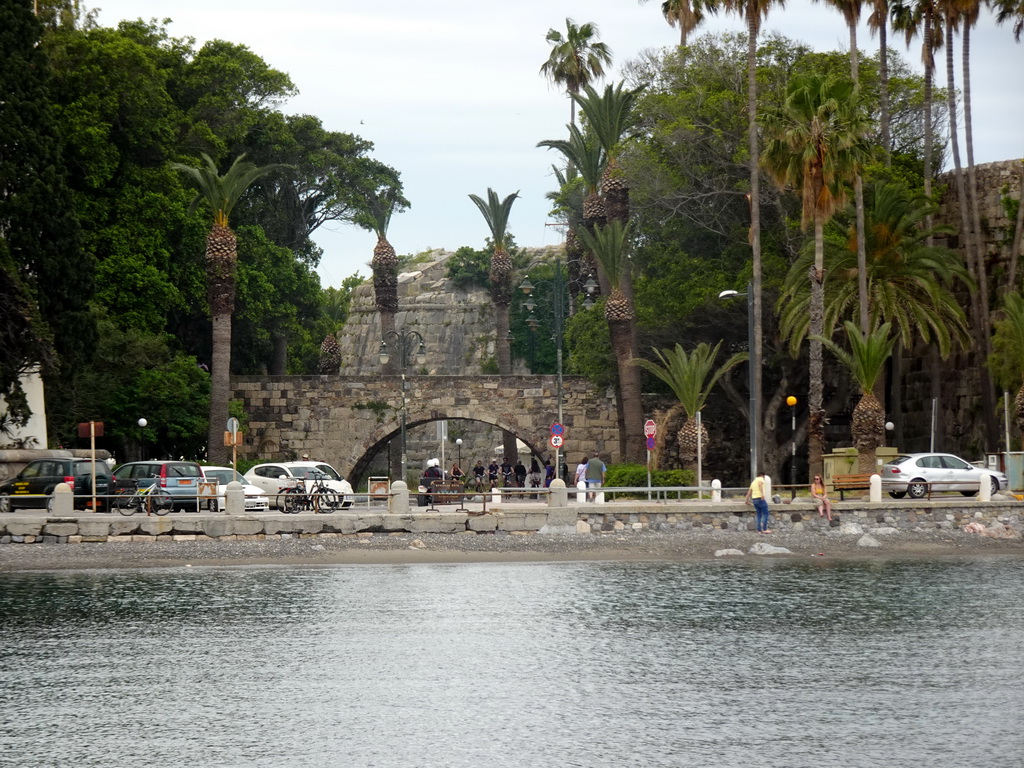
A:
(635, 476)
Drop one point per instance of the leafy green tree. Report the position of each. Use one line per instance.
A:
(1007, 358)
(816, 143)
(577, 58)
(865, 361)
(47, 279)
(691, 378)
(221, 192)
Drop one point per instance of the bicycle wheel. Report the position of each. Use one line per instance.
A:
(328, 501)
(159, 502)
(127, 505)
(292, 501)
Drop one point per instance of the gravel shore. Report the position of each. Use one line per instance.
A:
(499, 547)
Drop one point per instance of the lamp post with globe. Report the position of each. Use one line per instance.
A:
(403, 343)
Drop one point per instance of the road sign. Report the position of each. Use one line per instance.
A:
(557, 429)
(232, 426)
(650, 428)
(556, 441)
(650, 443)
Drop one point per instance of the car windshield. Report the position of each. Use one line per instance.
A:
(899, 459)
(224, 476)
(328, 470)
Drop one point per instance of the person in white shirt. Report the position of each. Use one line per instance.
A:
(581, 471)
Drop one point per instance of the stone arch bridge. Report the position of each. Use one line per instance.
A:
(348, 420)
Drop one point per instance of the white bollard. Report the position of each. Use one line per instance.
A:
(581, 492)
(558, 496)
(495, 496)
(875, 489)
(985, 489)
(398, 501)
(599, 497)
(234, 499)
(716, 490)
(63, 500)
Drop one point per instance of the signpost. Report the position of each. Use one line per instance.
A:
(650, 432)
(557, 441)
(233, 438)
(92, 430)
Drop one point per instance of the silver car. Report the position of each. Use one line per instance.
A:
(918, 474)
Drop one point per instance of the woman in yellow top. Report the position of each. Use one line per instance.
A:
(820, 495)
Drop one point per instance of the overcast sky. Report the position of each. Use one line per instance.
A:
(450, 93)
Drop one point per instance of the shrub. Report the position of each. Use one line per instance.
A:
(635, 476)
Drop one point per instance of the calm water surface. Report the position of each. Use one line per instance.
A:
(753, 663)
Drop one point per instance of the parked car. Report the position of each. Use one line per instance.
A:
(274, 478)
(915, 474)
(255, 499)
(179, 478)
(31, 487)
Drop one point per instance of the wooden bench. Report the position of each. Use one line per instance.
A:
(844, 483)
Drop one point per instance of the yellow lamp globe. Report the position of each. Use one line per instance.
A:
(791, 400)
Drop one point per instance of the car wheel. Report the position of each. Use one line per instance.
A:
(897, 494)
(5, 503)
(49, 505)
(917, 489)
(995, 485)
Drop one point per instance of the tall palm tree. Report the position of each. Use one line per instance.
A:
(691, 379)
(913, 17)
(1010, 10)
(610, 244)
(221, 193)
(816, 142)
(496, 213)
(577, 58)
(610, 115)
(878, 21)
(865, 361)
(379, 206)
(910, 285)
(851, 13)
(686, 14)
(754, 11)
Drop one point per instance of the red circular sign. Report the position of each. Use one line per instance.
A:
(650, 428)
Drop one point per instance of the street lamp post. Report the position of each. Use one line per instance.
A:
(755, 364)
(403, 342)
(791, 402)
(559, 298)
(458, 444)
(142, 438)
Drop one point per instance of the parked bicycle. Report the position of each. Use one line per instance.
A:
(151, 499)
(319, 497)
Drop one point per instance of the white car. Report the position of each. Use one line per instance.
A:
(255, 499)
(275, 477)
(918, 474)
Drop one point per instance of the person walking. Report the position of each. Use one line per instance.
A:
(820, 495)
(581, 471)
(594, 474)
(520, 473)
(755, 496)
(549, 473)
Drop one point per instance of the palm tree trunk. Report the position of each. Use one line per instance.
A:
(816, 389)
(755, 205)
(972, 254)
(929, 76)
(1011, 284)
(502, 349)
(629, 392)
(395, 363)
(883, 85)
(220, 387)
(858, 197)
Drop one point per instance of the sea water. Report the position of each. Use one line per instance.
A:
(751, 662)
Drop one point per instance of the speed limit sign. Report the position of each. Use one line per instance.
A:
(556, 441)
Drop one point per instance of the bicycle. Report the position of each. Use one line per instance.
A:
(149, 499)
(318, 498)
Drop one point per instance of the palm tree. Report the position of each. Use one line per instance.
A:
(691, 379)
(910, 284)
(878, 21)
(816, 142)
(380, 206)
(1010, 10)
(496, 214)
(610, 245)
(851, 13)
(686, 14)
(754, 11)
(610, 115)
(221, 193)
(866, 362)
(577, 58)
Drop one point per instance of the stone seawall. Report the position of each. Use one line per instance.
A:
(1001, 519)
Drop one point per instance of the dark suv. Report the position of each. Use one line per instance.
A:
(179, 478)
(31, 487)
